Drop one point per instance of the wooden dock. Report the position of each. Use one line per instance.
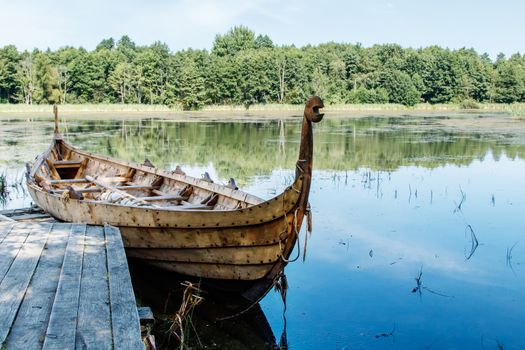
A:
(65, 286)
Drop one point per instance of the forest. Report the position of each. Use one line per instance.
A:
(243, 68)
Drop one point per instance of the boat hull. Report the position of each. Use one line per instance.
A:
(248, 244)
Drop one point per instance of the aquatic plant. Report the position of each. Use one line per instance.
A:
(3, 189)
(181, 321)
(508, 260)
(473, 242)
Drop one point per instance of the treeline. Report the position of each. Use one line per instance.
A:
(246, 69)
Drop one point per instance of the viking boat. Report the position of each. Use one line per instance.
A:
(177, 222)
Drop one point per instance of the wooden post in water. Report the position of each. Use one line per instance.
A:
(56, 131)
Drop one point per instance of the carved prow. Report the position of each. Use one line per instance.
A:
(311, 114)
(304, 163)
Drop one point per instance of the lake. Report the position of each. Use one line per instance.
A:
(418, 227)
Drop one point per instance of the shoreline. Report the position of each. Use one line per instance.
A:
(239, 112)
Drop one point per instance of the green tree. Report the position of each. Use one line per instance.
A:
(9, 84)
(221, 81)
(120, 80)
(243, 68)
(189, 85)
(364, 95)
(263, 41)
(26, 75)
(509, 82)
(62, 66)
(400, 88)
(107, 44)
(154, 69)
(46, 79)
(237, 39)
(254, 80)
(440, 75)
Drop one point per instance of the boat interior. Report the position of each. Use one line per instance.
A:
(72, 173)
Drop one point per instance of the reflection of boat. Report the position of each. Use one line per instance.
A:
(177, 222)
(211, 320)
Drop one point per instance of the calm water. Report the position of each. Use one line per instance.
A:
(419, 230)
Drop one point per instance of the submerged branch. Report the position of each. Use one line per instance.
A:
(473, 242)
(463, 198)
(420, 287)
(508, 261)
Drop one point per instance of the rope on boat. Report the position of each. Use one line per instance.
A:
(308, 214)
(279, 281)
(298, 166)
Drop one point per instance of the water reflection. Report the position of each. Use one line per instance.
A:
(400, 204)
(221, 321)
(245, 149)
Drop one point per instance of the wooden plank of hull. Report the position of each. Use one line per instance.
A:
(98, 189)
(264, 234)
(67, 164)
(216, 271)
(97, 213)
(254, 255)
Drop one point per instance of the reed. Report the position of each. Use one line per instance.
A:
(515, 109)
(508, 261)
(86, 108)
(473, 242)
(463, 198)
(4, 193)
(181, 322)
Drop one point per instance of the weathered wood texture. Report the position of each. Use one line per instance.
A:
(124, 310)
(65, 286)
(24, 214)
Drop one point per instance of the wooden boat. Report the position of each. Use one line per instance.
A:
(177, 222)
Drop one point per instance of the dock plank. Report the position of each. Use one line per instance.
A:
(5, 218)
(31, 322)
(14, 285)
(61, 330)
(11, 245)
(124, 316)
(5, 228)
(94, 317)
(65, 286)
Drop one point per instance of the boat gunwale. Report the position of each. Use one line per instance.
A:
(258, 213)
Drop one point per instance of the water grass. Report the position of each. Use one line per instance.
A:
(473, 242)
(4, 193)
(508, 260)
(181, 321)
(463, 198)
(420, 287)
(388, 335)
(515, 109)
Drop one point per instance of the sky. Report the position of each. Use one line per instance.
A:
(487, 26)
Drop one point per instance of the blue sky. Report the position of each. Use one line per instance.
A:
(487, 26)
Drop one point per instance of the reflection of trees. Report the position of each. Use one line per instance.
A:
(242, 150)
